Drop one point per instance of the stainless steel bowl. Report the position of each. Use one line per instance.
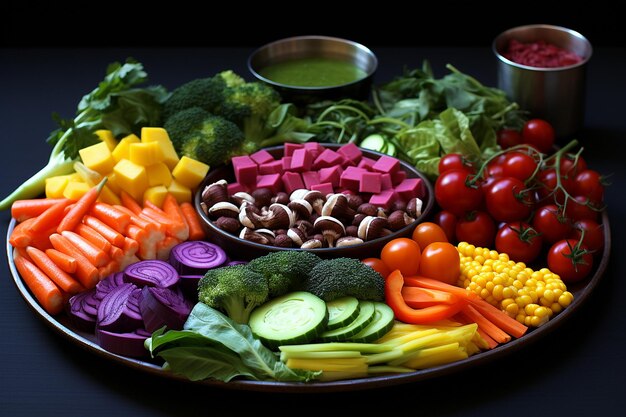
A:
(316, 47)
(554, 94)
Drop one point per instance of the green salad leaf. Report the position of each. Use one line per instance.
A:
(214, 346)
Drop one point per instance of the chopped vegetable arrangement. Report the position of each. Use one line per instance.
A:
(117, 245)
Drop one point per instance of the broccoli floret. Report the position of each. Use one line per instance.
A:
(205, 93)
(230, 78)
(200, 135)
(339, 277)
(249, 105)
(235, 290)
(285, 271)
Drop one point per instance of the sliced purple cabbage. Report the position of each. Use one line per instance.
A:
(108, 284)
(196, 257)
(129, 344)
(153, 273)
(189, 285)
(119, 310)
(83, 309)
(163, 307)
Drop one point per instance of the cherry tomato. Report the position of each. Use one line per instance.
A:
(570, 260)
(550, 221)
(508, 138)
(508, 200)
(454, 161)
(477, 228)
(428, 232)
(594, 234)
(447, 221)
(454, 193)
(377, 265)
(440, 261)
(519, 165)
(520, 241)
(590, 184)
(571, 165)
(402, 253)
(547, 186)
(539, 134)
(580, 208)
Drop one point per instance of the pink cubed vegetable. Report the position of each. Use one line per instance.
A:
(370, 182)
(327, 158)
(245, 169)
(351, 152)
(286, 163)
(387, 164)
(398, 176)
(331, 175)
(366, 163)
(315, 148)
(351, 178)
(262, 157)
(234, 187)
(290, 147)
(411, 188)
(324, 188)
(301, 160)
(385, 181)
(383, 199)
(273, 167)
(310, 178)
(292, 181)
(271, 181)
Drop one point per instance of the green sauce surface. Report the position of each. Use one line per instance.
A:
(313, 72)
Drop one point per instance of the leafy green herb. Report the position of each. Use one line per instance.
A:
(213, 346)
(117, 104)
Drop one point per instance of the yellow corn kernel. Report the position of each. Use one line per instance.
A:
(107, 137)
(158, 134)
(98, 157)
(158, 174)
(75, 190)
(145, 153)
(121, 150)
(190, 172)
(131, 178)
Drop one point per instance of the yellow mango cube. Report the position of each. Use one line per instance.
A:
(98, 157)
(159, 135)
(158, 174)
(145, 153)
(75, 176)
(112, 184)
(155, 195)
(131, 178)
(190, 172)
(180, 192)
(108, 196)
(75, 189)
(121, 150)
(56, 185)
(107, 137)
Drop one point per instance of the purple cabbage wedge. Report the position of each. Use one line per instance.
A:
(196, 257)
(129, 344)
(119, 310)
(153, 273)
(163, 307)
(82, 309)
(108, 284)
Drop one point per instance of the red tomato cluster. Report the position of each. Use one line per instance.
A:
(523, 200)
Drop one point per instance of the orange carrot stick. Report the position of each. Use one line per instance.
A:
(86, 273)
(145, 223)
(173, 227)
(65, 262)
(111, 216)
(95, 255)
(113, 236)
(164, 247)
(172, 209)
(130, 246)
(27, 209)
(49, 218)
(93, 237)
(488, 327)
(147, 245)
(196, 231)
(61, 278)
(42, 287)
(81, 208)
(129, 202)
(21, 236)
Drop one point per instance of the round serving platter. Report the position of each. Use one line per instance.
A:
(62, 326)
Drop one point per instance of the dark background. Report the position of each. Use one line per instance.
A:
(236, 23)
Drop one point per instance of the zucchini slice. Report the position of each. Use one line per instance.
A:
(343, 334)
(342, 311)
(380, 325)
(293, 318)
(374, 142)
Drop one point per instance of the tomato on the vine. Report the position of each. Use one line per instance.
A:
(550, 221)
(454, 161)
(520, 241)
(508, 200)
(519, 165)
(477, 228)
(402, 253)
(507, 138)
(428, 232)
(580, 207)
(571, 165)
(440, 261)
(447, 221)
(539, 134)
(590, 184)
(570, 260)
(594, 234)
(377, 265)
(455, 192)
(548, 189)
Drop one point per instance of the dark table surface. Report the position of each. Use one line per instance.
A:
(578, 369)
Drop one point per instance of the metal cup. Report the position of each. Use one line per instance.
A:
(554, 94)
